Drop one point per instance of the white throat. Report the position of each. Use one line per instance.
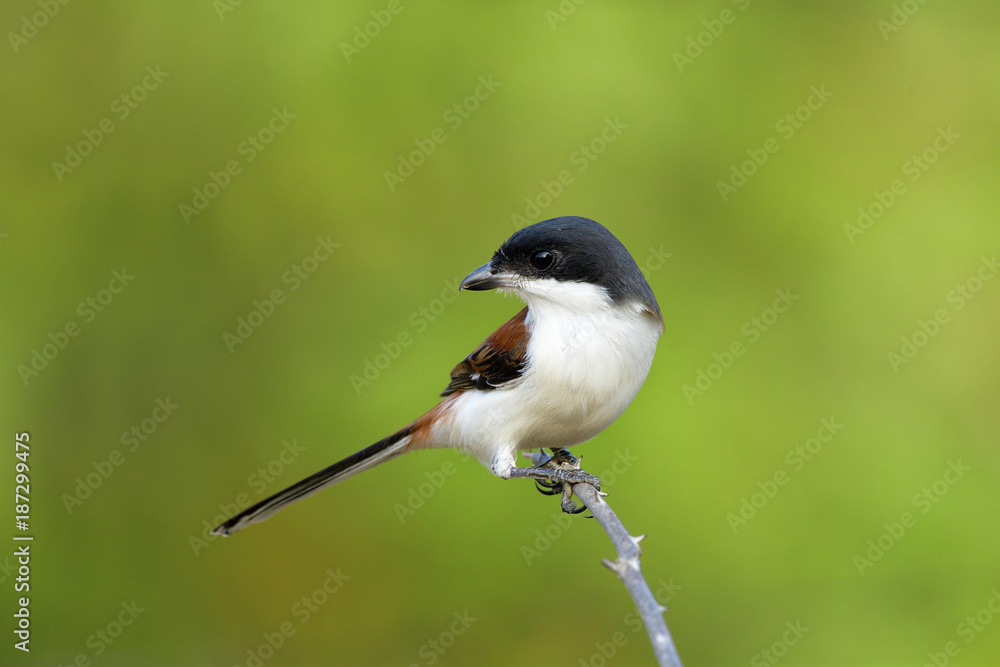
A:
(588, 356)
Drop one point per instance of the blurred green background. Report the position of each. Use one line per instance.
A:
(118, 115)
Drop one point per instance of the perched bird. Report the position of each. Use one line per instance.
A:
(556, 374)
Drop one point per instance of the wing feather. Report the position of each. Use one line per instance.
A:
(499, 360)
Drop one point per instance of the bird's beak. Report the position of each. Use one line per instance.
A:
(486, 277)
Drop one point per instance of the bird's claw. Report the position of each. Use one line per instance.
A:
(570, 474)
(548, 487)
(567, 504)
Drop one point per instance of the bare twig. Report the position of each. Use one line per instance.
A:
(627, 569)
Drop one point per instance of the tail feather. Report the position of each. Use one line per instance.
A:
(369, 457)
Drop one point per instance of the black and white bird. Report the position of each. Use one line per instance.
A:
(556, 374)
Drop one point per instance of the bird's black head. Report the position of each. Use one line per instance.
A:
(566, 249)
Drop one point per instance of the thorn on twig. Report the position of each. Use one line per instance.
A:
(627, 567)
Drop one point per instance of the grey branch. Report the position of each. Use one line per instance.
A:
(627, 569)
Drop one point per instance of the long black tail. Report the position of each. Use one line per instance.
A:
(369, 457)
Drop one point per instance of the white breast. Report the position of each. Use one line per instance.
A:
(587, 359)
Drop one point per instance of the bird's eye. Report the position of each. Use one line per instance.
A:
(542, 260)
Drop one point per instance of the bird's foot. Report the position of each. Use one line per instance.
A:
(557, 474)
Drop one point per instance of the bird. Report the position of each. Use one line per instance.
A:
(556, 374)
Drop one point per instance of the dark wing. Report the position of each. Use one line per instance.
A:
(501, 358)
